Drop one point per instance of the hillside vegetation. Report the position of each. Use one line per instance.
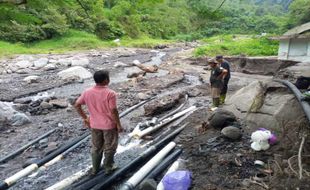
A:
(63, 22)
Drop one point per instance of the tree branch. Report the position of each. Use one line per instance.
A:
(220, 6)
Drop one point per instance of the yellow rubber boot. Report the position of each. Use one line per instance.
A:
(222, 99)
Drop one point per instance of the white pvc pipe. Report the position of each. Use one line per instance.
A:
(78, 175)
(70, 180)
(148, 130)
(174, 167)
(139, 175)
(13, 179)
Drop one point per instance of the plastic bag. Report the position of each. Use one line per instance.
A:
(177, 180)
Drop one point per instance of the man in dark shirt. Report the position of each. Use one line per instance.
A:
(216, 81)
(224, 64)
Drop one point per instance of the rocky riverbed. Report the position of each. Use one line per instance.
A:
(38, 90)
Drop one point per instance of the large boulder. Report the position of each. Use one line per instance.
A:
(162, 104)
(265, 104)
(9, 115)
(76, 71)
(221, 118)
(40, 63)
(23, 64)
(80, 62)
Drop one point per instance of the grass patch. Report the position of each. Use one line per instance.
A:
(74, 40)
(71, 41)
(237, 45)
(144, 42)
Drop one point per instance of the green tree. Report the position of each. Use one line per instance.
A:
(299, 12)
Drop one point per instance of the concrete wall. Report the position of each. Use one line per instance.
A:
(294, 49)
(283, 49)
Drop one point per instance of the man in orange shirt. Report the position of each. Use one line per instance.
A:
(103, 120)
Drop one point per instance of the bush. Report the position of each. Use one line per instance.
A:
(20, 33)
(107, 31)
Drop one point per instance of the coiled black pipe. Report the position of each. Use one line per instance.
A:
(305, 105)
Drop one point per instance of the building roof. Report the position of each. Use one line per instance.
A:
(298, 30)
(302, 31)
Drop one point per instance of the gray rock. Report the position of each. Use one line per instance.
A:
(13, 68)
(40, 62)
(64, 62)
(3, 121)
(1, 70)
(232, 132)
(25, 100)
(77, 71)
(31, 79)
(119, 64)
(136, 62)
(221, 118)
(80, 62)
(11, 116)
(142, 96)
(69, 109)
(21, 107)
(23, 64)
(49, 67)
(136, 74)
(162, 104)
(19, 119)
(46, 105)
(264, 104)
(22, 71)
(59, 103)
(43, 141)
(51, 147)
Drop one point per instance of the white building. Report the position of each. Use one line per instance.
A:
(295, 44)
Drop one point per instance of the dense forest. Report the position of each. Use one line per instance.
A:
(33, 20)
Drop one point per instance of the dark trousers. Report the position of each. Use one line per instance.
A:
(225, 87)
(103, 141)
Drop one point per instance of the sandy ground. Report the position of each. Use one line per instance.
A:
(215, 162)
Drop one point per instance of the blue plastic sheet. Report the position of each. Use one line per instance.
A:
(177, 180)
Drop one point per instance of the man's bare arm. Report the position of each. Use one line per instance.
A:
(223, 74)
(117, 120)
(81, 112)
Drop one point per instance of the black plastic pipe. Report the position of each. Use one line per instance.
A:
(13, 179)
(60, 150)
(134, 107)
(13, 154)
(304, 104)
(102, 181)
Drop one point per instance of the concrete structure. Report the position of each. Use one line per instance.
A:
(295, 44)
